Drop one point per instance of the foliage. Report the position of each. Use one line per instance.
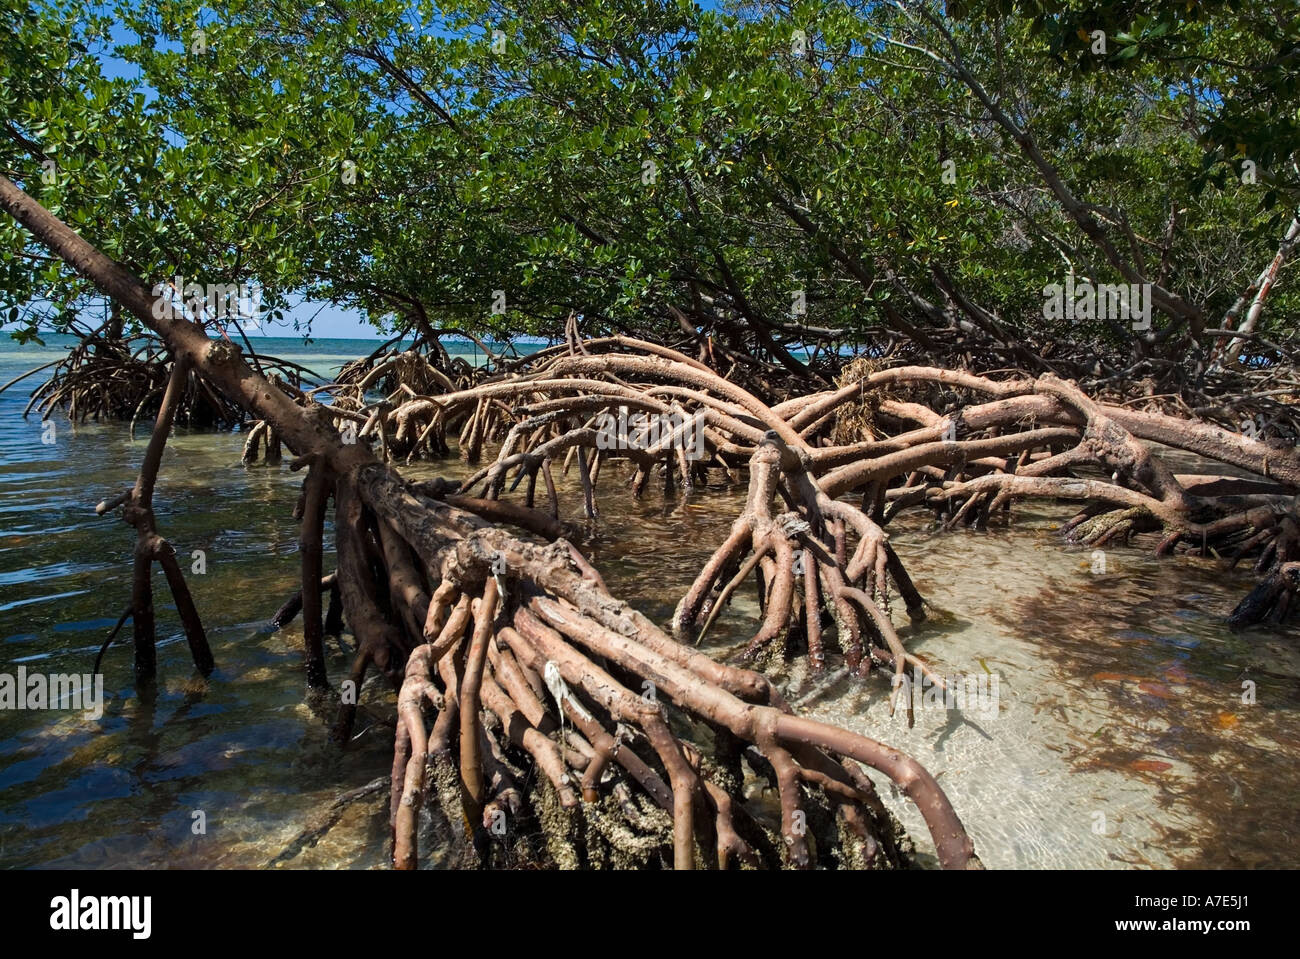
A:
(622, 159)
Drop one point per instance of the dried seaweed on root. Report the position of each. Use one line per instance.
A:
(105, 379)
(595, 657)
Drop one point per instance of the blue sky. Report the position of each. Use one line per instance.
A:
(330, 322)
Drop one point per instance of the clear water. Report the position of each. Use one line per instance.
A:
(1121, 739)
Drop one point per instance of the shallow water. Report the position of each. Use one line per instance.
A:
(1121, 737)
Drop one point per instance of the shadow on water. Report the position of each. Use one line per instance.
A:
(1207, 716)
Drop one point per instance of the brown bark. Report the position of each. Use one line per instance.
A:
(465, 551)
